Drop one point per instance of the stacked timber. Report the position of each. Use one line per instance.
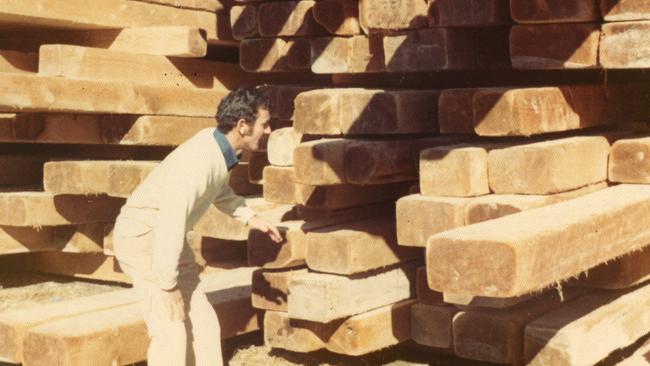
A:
(91, 100)
(530, 237)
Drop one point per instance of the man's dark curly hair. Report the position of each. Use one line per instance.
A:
(238, 104)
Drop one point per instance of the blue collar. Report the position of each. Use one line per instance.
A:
(226, 149)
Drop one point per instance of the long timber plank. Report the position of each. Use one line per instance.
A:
(15, 324)
(363, 111)
(623, 272)
(75, 62)
(91, 129)
(118, 335)
(264, 252)
(84, 238)
(354, 336)
(350, 249)
(46, 209)
(510, 111)
(497, 335)
(419, 216)
(587, 329)
(539, 247)
(123, 14)
(280, 187)
(18, 62)
(113, 178)
(337, 161)
(321, 297)
(40, 94)
(548, 167)
(172, 41)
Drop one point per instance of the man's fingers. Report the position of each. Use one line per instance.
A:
(275, 234)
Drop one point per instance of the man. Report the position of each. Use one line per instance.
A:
(149, 234)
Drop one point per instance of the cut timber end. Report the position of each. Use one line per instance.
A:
(392, 15)
(521, 248)
(431, 325)
(419, 217)
(554, 46)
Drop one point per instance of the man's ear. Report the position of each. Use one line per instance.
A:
(242, 127)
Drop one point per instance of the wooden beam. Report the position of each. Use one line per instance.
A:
(623, 272)
(418, 217)
(497, 335)
(431, 325)
(456, 170)
(120, 333)
(337, 161)
(618, 41)
(91, 266)
(554, 46)
(627, 162)
(46, 209)
(353, 248)
(559, 165)
(553, 11)
(83, 238)
(175, 41)
(510, 111)
(526, 244)
(321, 297)
(354, 336)
(40, 94)
(217, 224)
(75, 62)
(92, 129)
(14, 324)
(580, 332)
(74, 15)
(356, 54)
(281, 144)
(363, 111)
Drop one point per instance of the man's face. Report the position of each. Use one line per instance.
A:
(258, 130)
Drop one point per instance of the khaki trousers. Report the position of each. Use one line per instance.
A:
(195, 341)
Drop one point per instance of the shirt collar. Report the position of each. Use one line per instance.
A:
(226, 149)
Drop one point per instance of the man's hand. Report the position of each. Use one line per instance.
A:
(265, 227)
(173, 302)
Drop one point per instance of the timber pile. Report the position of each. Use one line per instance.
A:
(91, 99)
(527, 200)
(419, 200)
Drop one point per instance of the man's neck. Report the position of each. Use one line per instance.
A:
(235, 141)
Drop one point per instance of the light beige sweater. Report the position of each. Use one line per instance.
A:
(173, 198)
